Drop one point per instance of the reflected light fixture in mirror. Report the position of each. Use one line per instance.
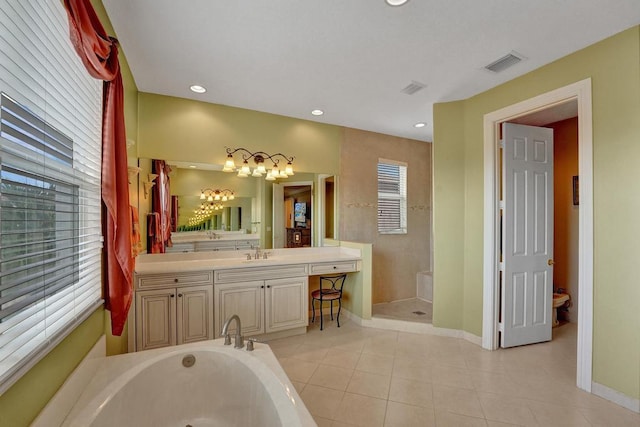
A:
(217, 195)
(260, 169)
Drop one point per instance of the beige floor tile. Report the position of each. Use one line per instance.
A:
(450, 419)
(507, 409)
(343, 359)
(322, 402)
(298, 370)
(372, 385)
(331, 377)
(285, 350)
(499, 424)
(457, 400)
(412, 368)
(611, 416)
(402, 415)
(310, 353)
(375, 364)
(362, 410)
(323, 422)
(493, 382)
(411, 392)
(557, 415)
(298, 386)
(451, 376)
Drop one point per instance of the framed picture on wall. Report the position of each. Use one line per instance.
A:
(576, 191)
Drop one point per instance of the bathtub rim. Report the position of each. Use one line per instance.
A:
(115, 371)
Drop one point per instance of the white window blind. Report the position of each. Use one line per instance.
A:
(50, 148)
(392, 197)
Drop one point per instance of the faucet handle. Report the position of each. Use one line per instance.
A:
(248, 256)
(265, 254)
(250, 342)
(227, 339)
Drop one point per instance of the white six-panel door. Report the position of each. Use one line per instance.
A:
(527, 235)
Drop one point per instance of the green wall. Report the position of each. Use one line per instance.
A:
(614, 68)
(25, 399)
(180, 129)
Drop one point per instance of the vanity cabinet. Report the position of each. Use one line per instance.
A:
(169, 313)
(264, 306)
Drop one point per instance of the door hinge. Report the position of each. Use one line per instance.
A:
(501, 265)
(501, 143)
(501, 204)
(501, 327)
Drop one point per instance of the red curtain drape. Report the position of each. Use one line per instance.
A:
(99, 54)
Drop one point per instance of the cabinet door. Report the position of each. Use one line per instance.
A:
(155, 319)
(246, 299)
(195, 314)
(286, 303)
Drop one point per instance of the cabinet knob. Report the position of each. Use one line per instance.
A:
(268, 286)
(172, 295)
(262, 287)
(334, 267)
(175, 280)
(179, 295)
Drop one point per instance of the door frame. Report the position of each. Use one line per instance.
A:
(581, 92)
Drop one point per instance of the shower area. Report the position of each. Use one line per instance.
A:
(417, 309)
(402, 280)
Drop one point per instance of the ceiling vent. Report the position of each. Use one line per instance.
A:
(413, 87)
(505, 62)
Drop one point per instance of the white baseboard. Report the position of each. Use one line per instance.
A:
(61, 403)
(411, 327)
(616, 397)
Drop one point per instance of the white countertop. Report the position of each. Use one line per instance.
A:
(189, 237)
(199, 261)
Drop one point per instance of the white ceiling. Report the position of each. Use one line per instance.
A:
(351, 58)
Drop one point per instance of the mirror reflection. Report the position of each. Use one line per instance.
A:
(294, 212)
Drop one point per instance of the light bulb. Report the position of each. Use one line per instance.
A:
(229, 164)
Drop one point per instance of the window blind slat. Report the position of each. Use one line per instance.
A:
(50, 166)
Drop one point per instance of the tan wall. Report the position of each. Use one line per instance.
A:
(396, 258)
(565, 218)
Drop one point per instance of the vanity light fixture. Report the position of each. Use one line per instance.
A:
(260, 169)
(217, 195)
(317, 112)
(198, 89)
(419, 125)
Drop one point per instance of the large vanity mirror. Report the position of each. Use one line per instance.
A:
(293, 212)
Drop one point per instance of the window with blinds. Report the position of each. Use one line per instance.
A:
(50, 208)
(392, 197)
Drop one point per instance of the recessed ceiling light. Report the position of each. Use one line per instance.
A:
(317, 112)
(396, 2)
(192, 166)
(198, 89)
(419, 125)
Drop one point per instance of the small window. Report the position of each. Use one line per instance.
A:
(392, 197)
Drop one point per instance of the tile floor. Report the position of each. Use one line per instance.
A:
(404, 310)
(369, 377)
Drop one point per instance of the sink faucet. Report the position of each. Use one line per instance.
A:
(257, 254)
(239, 342)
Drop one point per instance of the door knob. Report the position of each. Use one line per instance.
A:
(550, 262)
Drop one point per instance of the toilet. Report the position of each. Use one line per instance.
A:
(558, 301)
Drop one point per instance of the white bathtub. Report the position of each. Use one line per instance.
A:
(225, 387)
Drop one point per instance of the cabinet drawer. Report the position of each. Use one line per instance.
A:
(150, 281)
(260, 273)
(226, 245)
(333, 267)
(247, 243)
